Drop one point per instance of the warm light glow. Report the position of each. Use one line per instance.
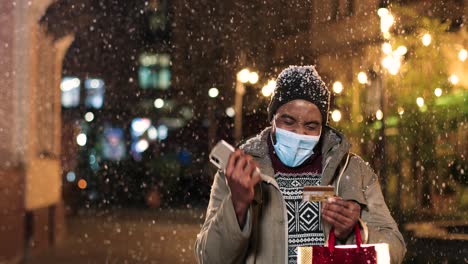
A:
(426, 39)
(362, 77)
(253, 78)
(337, 87)
(386, 62)
(336, 115)
(382, 12)
(159, 103)
(89, 116)
(379, 114)
(462, 55)
(386, 35)
(401, 110)
(213, 92)
(243, 76)
(386, 23)
(268, 89)
(401, 50)
(387, 48)
(392, 64)
(438, 92)
(420, 101)
(81, 139)
(82, 184)
(454, 79)
(230, 112)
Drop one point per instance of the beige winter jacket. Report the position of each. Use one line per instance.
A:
(263, 238)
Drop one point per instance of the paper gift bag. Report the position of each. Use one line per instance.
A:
(348, 254)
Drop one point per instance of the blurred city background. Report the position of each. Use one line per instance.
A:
(109, 109)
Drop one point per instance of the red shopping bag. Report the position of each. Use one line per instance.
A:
(344, 255)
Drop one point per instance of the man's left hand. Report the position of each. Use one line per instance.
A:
(341, 214)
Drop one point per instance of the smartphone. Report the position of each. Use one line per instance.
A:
(219, 155)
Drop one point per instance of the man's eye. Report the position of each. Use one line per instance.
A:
(311, 128)
(288, 123)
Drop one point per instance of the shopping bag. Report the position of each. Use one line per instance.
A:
(344, 254)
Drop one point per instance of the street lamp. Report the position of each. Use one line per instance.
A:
(244, 76)
(268, 89)
(337, 87)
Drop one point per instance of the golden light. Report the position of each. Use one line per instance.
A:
(362, 77)
(438, 92)
(336, 115)
(337, 87)
(463, 54)
(420, 101)
(426, 39)
(387, 48)
(82, 184)
(379, 114)
(386, 23)
(401, 50)
(387, 62)
(382, 12)
(243, 76)
(386, 35)
(401, 110)
(253, 77)
(454, 79)
(394, 66)
(268, 89)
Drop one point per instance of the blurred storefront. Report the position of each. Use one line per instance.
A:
(31, 218)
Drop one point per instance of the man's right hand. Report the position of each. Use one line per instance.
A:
(242, 176)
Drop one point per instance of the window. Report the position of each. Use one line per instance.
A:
(154, 71)
(94, 93)
(113, 144)
(70, 89)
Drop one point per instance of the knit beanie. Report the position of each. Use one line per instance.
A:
(300, 82)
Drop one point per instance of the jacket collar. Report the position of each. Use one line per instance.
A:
(334, 148)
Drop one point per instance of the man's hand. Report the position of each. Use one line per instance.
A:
(242, 176)
(341, 214)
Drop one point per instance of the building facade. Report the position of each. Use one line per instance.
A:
(31, 218)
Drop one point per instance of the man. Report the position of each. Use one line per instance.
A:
(254, 219)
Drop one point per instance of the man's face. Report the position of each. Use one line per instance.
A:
(299, 116)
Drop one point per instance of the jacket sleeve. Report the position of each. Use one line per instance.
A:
(381, 226)
(221, 240)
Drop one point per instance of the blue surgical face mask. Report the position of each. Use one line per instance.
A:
(292, 148)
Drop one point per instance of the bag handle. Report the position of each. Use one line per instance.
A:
(331, 238)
